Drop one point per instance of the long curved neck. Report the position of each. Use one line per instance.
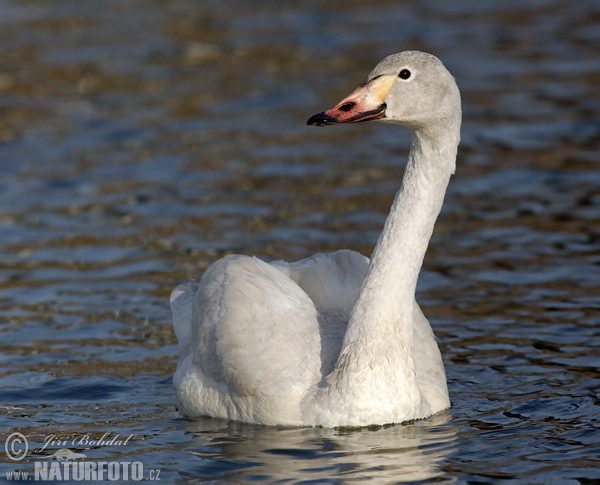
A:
(387, 295)
(377, 347)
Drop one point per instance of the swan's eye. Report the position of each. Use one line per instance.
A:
(404, 74)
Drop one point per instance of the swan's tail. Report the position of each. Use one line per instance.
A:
(182, 303)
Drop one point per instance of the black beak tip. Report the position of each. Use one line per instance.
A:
(320, 119)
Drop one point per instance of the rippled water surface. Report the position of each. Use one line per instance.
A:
(140, 141)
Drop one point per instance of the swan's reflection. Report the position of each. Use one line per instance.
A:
(236, 451)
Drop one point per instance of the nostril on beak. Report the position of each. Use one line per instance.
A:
(347, 106)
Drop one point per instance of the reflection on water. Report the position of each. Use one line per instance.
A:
(234, 451)
(141, 141)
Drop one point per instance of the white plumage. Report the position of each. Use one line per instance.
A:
(334, 339)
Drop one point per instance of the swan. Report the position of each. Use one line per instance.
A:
(335, 339)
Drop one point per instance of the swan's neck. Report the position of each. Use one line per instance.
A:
(377, 348)
(387, 295)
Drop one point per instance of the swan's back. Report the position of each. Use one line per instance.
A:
(332, 281)
(255, 338)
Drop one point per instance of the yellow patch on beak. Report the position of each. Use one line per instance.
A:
(380, 86)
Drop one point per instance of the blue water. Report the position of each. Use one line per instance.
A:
(141, 141)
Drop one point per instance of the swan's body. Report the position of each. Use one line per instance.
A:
(332, 340)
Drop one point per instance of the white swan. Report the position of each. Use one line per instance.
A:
(332, 340)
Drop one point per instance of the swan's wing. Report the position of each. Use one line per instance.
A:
(332, 280)
(252, 329)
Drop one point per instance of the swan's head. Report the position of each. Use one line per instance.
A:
(412, 88)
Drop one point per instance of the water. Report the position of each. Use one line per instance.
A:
(140, 141)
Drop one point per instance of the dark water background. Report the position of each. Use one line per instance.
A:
(142, 140)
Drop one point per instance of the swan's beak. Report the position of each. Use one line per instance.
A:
(363, 104)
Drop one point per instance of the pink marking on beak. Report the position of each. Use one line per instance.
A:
(363, 104)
